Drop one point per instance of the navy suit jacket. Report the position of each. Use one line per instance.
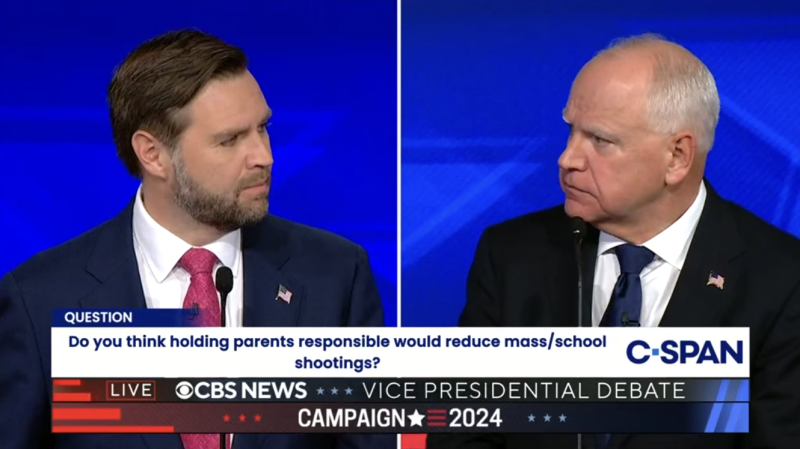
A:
(330, 279)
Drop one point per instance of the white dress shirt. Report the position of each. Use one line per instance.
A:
(659, 277)
(164, 282)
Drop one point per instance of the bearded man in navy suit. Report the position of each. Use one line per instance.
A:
(190, 121)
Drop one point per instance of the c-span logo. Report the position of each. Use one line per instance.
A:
(688, 351)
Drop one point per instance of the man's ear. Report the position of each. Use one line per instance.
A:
(152, 154)
(682, 154)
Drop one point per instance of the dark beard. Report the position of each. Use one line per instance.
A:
(219, 211)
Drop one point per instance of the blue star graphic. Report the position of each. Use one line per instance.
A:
(334, 390)
(546, 418)
(348, 390)
(531, 418)
(320, 391)
(562, 418)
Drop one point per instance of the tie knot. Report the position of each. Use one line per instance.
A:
(198, 260)
(632, 258)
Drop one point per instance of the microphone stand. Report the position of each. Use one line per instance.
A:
(580, 304)
(578, 232)
(223, 303)
(224, 284)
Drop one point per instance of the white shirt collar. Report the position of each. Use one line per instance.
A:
(672, 244)
(162, 249)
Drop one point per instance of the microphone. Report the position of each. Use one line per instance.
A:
(578, 233)
(223, 281)
(224, 284)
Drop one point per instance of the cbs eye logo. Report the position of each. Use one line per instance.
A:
(184, 390)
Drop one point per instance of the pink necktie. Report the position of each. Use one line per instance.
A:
(200, 263)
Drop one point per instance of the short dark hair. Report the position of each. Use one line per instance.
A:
(158, 79)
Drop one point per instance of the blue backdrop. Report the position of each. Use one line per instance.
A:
(328, 70)
(483, 86)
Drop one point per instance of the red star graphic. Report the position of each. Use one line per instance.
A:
(242, 418)
(258, 418)
(226, 418)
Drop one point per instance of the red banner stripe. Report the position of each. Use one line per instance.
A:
(100, 414)
(72, 397)
(113, 429)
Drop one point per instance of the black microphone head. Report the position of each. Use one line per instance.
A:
(578, 227)
(224, 280)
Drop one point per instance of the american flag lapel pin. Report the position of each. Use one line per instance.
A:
(716, 280)
(284, 294)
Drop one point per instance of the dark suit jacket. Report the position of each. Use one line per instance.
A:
(525, 275)
(330, 279)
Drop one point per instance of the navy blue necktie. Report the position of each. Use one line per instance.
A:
(625, 308)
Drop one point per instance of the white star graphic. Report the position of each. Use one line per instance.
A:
(416, 418)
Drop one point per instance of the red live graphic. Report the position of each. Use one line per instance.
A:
(437, 418)
(98, 390)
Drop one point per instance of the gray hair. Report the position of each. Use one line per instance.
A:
(683, 91)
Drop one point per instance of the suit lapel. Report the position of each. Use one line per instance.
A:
(715, 248)
(265, 252)
(113, 265)
(589, 260)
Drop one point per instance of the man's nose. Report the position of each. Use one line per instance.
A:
(572, 158)
(261, 153)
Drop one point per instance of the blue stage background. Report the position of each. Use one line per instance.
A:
(328, 70)
(483, 86)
